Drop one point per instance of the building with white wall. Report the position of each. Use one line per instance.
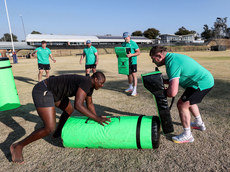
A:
(167, 38)
(74, 40)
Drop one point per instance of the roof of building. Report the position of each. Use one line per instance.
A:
(120, 37)
(77, 38)
(17, 46)
(61, 38)
(176, 35)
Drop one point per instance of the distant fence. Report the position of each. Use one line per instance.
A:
(180, 48)
(187, 48)
(145, 48)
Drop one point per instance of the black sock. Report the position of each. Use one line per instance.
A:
(62, 121)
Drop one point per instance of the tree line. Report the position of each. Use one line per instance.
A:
(153, 33)
(7, 38)
(219, 30)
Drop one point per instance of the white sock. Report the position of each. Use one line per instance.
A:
(135, 88)
(198, 120)
(187, 131)
(131, 86)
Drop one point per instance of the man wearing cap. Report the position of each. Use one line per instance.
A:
(135, 51)
(91, 59)
(43, 54)
(194, 78)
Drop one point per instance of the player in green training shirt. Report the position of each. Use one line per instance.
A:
(194, 78)
(43, 54)
(91, 59)
(135, 51)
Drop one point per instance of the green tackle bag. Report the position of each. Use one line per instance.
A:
(124, 132)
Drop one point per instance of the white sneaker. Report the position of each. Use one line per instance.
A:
(134, 93)
(196, 126)
(182, 138)
(129, 90)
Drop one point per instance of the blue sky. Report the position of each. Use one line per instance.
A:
(100, 17)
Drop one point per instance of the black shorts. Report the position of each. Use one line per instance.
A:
(194, 96)
(132, 68)
(41, 96)
(93, 66)
(43, 66)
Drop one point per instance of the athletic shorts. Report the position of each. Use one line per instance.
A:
(43, 66)
(194, 96)
(132, 68)
(41, 96)
(90, 66)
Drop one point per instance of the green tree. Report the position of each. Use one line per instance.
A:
(137, 33)
(207, 33)
(36, 32)
(151, 33)
(228, 33)
(220, 27)
(184, 31)
(6, 37)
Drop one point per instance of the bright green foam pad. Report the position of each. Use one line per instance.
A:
(121, 51)
(123, 60)
(120, 133)
(8, 92)
(123, 66)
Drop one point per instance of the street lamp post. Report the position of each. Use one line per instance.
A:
(14, 53)
(23, 27)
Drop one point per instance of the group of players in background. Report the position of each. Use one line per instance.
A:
(55, 91)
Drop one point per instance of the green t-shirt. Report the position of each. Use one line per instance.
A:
(43, 55)
(191, 73)
(133, 46)
(90, 55)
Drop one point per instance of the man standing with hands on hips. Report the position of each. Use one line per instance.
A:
(43, 54)
(135, 51)
(91, 59)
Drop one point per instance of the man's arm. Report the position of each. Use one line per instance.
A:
(51, 56)
(172, 90)
(82, 56)
(137, 53)
(96, 54)
(90, 105)
(34, 52)
(79, 105)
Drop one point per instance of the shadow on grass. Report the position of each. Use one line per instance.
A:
(66, 72)
(26, 80)
(25, 112)
(169, 136)
(106, 111)
(221, 90)
(18, 131)
(121, 85)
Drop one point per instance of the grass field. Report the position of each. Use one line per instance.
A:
(209, 152)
